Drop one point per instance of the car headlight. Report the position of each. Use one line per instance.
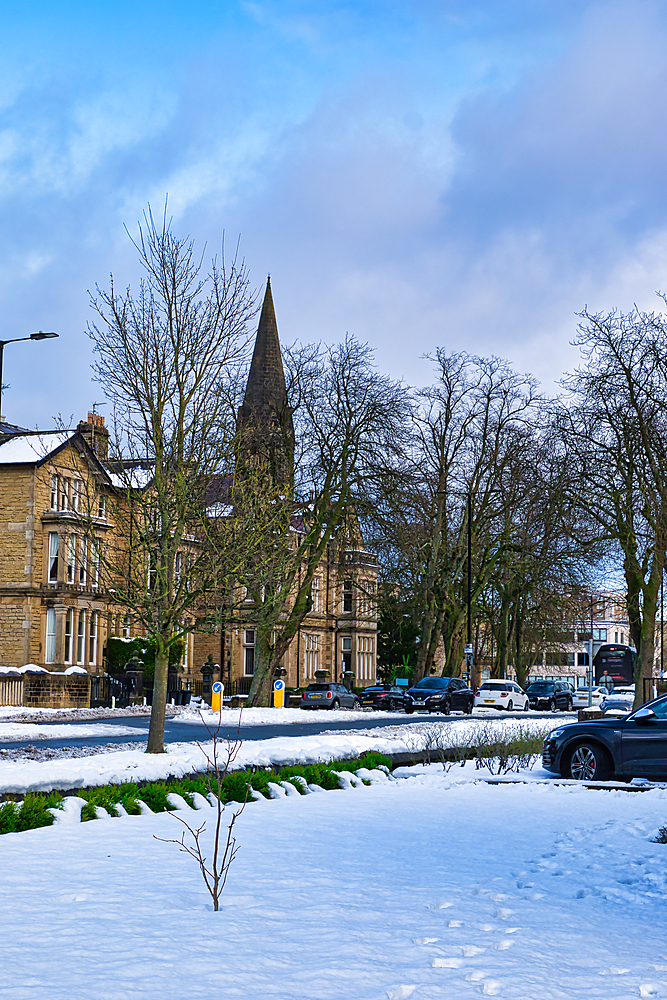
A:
(555, 733)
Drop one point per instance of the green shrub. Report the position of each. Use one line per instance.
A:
(662, 836)
(29, 814)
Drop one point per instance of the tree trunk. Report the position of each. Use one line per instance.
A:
(503, 637)
(156, 730)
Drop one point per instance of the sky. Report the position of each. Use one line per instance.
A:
(466, 174)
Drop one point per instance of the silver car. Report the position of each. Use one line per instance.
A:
(619, 702)
(329, 696)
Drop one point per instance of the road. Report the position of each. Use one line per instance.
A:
(180, 732)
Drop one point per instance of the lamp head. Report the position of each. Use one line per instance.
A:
(43, 336)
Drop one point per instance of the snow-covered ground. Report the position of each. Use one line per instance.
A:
(183, 758)
(430, 886)
(53, 731)
(290, 716)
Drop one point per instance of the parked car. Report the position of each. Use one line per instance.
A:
(439, 694)
(501, 694)
(551, 695)
(580, 699)
(329, 696)
(632, 747)
(388, 697)
(619, 702)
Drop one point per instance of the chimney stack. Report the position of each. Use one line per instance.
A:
(95, 434)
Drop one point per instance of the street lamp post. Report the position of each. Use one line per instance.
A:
(40, 335)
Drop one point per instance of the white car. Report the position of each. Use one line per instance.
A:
(580, 697)
(501, 694)
(620, 701)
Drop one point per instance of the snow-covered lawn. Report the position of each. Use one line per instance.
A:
(430, 886)
(71, 731)
(291, 716)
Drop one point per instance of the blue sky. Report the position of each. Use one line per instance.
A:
(465, 174)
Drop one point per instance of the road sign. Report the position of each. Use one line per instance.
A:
(279, 694)
(217, 693)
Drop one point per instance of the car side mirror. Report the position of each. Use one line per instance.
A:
(645, 717)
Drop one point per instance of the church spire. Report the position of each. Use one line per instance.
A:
(265, 427)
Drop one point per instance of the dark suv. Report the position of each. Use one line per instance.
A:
(439, 694)
(631, 747)
(550, 695)
(329, 696)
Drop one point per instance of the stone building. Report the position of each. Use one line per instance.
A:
(339, 634)
(53, 497)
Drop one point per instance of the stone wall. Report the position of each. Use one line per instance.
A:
(56, 691)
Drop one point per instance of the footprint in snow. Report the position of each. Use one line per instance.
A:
(614, 970)
(475, 976)
(503, 913)
(426, 940)
(491, 987)
(503, 945)
(455, 923)
(441, 904)
(470, 950)
(400, 992)
(498, 897)
(648, 990)
(446, 963)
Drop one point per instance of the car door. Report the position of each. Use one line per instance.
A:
(457, 692)
(644, 746)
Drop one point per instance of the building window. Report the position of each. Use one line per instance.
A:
(64, 493)
(364, 657)
(347, 596)
(95, 562)
(616, 637)
(76, 494)
(54, 545)
(69, 620)
(599, 635)
(54, 493)
(622, 638)
(315, 594)
(126, 627)
(92, 641)
(71, 557)
(249, 652)
(83, 560)
(101, 506)
(81, 637)
(346, 645)
(51, 635)
(312, 654)
(582, 659)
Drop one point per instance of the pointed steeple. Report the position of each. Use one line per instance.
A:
(266, 381)
(265, 427)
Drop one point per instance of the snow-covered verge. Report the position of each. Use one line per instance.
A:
(17, 776)
(420, 887)
(47, 731)
(292, 716)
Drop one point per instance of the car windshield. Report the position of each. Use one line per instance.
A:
(622, 693)
(541, 686)
(318, 687)
(433, 682)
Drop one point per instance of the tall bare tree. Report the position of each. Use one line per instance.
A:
(163, 358)
(614, 424)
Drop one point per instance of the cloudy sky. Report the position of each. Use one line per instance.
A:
(416, 172)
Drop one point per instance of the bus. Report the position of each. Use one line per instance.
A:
(618, 661)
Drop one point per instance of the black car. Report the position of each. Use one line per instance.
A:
(550, 695)
(440, 694)
(388, 697)
(634, 746)
(329, 696)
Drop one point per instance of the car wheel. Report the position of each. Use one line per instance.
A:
(446, 707)
(510, 706)
(526, 706)
(409, 709)
(589, 763)
(569, 705)
(552, 705)
(469, 709)
(335, 704)
(356, 707)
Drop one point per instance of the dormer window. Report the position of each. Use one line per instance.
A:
(54, 492)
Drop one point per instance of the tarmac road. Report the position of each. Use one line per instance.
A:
(314, 723)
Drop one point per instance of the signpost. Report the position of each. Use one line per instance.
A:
(279, 694)
(216, 700)
(469, 651)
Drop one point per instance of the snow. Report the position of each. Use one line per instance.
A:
(47, 731)
(31, 448)
(428, 886)
(289, 716)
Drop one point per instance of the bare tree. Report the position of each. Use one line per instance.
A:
(164, 359)
(214, 871)
(614, 424)
(348, 426)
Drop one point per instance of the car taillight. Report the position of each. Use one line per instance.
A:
(382, 695)
(477, 692)
(329, 694)
(503, 694)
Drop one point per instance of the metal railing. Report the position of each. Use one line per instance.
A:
(11, 690)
